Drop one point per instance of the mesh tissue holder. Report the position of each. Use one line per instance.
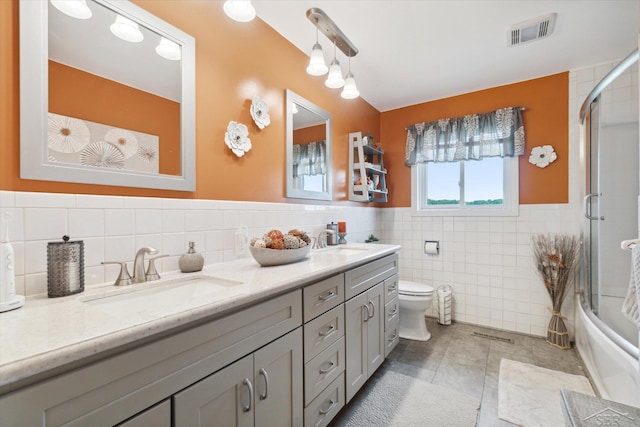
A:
(65, 268)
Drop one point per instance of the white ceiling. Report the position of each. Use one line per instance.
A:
(414, 51)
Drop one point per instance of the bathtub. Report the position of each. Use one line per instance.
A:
(613, 366)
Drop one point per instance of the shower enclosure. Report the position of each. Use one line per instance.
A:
(609, 119)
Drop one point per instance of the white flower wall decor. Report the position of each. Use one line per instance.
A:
(542, 156)
(260, 112)
(237, 138)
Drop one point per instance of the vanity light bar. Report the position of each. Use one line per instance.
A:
(331, 31)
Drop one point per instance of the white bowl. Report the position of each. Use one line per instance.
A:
(267, 257)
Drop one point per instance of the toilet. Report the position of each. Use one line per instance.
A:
(415, 299)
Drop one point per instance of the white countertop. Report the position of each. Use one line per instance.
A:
(49, 333)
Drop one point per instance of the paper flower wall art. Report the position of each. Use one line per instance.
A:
(124, 140)
(542, 156)
(237, 138)
(260, 112)
(66, 134)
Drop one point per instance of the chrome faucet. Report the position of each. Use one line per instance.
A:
(320, 242)
(139, 274)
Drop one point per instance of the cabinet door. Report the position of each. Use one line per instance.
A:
(356, 344)
(375, 328)
(158, 416)
(222, 399)
(278, 382)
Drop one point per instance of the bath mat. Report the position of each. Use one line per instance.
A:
(529, 396)
(400, 400)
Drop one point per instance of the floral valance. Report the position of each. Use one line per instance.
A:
(309, 159)
(499, 133)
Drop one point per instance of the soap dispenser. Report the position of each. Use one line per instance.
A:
(191, 261)
(8, 298)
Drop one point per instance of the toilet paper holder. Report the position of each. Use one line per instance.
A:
(432, 247)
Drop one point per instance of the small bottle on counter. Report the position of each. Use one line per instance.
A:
(191, 261)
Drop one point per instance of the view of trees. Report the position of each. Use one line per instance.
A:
(456, 202)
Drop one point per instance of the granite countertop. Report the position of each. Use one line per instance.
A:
(48, 333)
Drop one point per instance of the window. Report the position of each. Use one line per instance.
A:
(466, 188)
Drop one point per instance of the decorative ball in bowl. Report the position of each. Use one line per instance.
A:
(277, 248)
(267, 257)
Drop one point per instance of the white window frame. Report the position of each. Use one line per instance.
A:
(511, 194)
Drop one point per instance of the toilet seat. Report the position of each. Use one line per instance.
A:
(406, 287)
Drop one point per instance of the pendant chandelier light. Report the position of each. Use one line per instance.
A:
(317, 66)
(75, 8)
(239, 10)
(334, 80)
(126, 29)
(350, 91)
(168, 49)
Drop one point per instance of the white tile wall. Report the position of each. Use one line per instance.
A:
(487, 260)
(114, 227)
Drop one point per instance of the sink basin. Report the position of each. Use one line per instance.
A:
(167, 297)
(342, 250)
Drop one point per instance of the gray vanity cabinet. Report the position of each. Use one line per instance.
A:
(121, 387)
(365, 337)
(368, 324)
(156, 416)
(262, 389)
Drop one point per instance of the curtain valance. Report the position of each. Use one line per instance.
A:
(498, 133)
(309, 159)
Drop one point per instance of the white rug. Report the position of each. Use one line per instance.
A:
(399, 400)
(529, 396)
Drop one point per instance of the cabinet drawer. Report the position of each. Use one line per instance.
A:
(323, 331)
(324, 407)
(391, 286)
(322, 369)
(362, 278)
(391, 337)
(391, 313)
(322, 296)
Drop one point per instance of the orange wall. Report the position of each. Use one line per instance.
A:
(118, 105)
(546, 122)
(309, 134)
(234, 62)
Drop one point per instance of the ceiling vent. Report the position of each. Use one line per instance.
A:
(533, 29)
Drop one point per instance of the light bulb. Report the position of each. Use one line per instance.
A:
(350, 91)
(126, 29)
(75, 8)
(168, 49)
(317, 66)
(334, 80)
(239, 10)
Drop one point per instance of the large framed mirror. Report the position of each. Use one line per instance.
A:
(100, 105)
(308, 146)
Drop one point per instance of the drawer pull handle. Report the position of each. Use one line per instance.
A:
(331, 367)
(264, 395)
(393, 313)
(394, 336)
(327, 297)
(373, 308)
(329, 331)
(393, 287)
(248, 384)
(365, 316)
(332, 403)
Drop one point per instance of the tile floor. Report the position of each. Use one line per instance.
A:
(454, 358)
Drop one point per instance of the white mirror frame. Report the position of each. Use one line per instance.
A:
(293, 192)
(34, 102)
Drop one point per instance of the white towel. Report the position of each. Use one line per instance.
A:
(631, 304)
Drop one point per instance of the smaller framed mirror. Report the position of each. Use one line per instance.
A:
(308, 147)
